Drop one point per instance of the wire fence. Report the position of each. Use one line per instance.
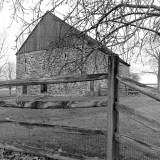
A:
(70, 142)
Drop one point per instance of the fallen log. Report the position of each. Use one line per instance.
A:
(11, 104)
(83, 104)
(64, 104)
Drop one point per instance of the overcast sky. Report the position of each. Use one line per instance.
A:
(10, 32)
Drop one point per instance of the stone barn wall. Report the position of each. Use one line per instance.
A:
(40, 64)
(48, 47)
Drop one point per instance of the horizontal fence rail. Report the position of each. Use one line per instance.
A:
(67, 128)
(66, 79)
(69, 140)
(144, 147)
(139, 117)
(30, 128)
(149, 91)
(151, 150)
(112, 135)
(48, 153)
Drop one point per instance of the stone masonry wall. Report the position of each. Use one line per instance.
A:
(41, 64)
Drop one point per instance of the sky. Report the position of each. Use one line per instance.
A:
(138, 67)
(12, 31)
(9, 31)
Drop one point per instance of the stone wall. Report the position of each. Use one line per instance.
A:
(43, 63)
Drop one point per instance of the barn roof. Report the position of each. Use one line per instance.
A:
(48, 30)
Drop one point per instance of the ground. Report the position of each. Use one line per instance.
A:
(93, 118)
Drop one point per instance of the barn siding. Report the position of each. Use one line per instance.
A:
(47, 30)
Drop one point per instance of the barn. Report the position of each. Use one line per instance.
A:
(54, 48)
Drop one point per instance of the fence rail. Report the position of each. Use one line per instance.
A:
(139, 117)
(113, 137)
(43, 152)
(67, 128)
(149, 91)
(29, 126)
(65, 79)
(144, 147)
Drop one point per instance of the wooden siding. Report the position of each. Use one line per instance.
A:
(48, 30)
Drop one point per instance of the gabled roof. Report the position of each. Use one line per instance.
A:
(49, 29)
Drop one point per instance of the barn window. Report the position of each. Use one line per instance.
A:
(24, 89)
(43, 88)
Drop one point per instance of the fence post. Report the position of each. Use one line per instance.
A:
(112, 114)
(92, 88)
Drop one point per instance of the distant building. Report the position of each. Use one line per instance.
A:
(54, 48)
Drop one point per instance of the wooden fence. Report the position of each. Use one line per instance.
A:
(113, 137)
(29, 126)
(114, 107)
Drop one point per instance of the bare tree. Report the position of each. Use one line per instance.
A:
(9, 72)
(3, 50)
(121, 25)
(152, 52)
(134, 76)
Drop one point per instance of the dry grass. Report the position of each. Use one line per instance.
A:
(93, 118)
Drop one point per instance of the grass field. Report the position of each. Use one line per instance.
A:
(93, 118)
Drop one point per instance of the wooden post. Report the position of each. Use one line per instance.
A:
(92, 88)
(112, 114)
(99, 90)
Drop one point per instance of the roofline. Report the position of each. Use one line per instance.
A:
(32, 32)
(104, 49)
(122, 61)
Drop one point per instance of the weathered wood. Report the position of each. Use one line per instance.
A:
(92, 87)
(149, 91)
(139, 117)
(55, 138)
(48, 153)
(141, 146)
(44, 34)
(112, 114)
(66, 79)
(67, 128)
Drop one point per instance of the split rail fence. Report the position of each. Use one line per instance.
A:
(111, 136)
